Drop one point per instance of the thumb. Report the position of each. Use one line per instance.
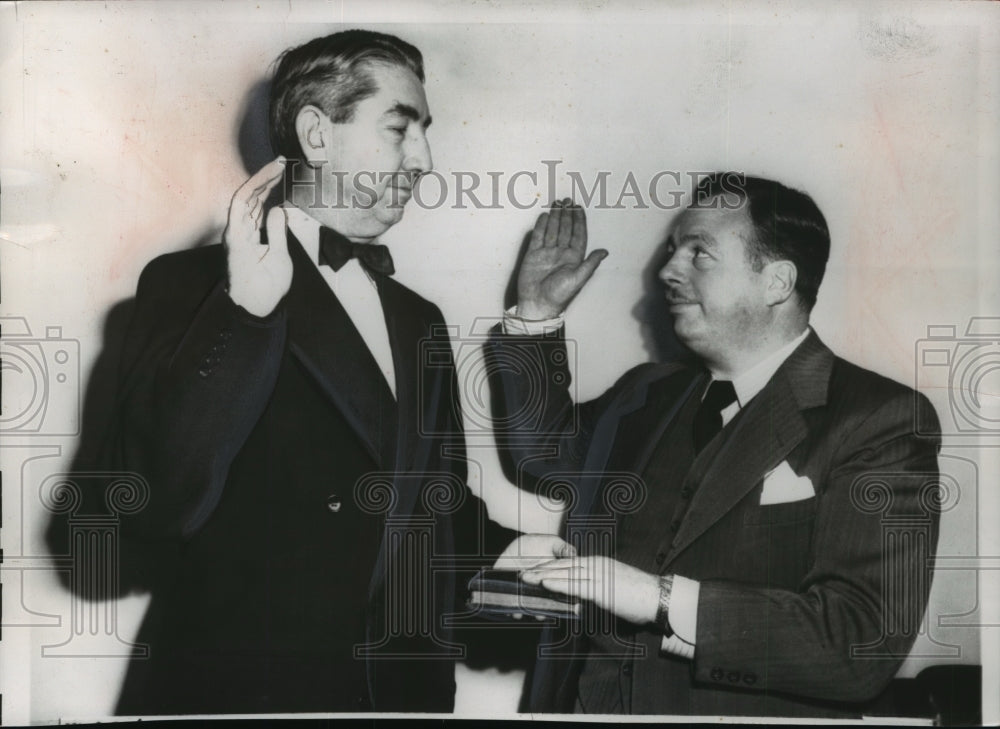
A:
(564, 550)
(275, 225)
(589, 265)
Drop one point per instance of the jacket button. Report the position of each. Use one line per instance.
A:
(734, 677)
(333, 503)
(750, 679)
(717, 674)
(627, 669)
(661, 557)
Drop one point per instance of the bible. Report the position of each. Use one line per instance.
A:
(501, 593)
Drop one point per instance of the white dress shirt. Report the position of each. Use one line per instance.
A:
(354, 289)
(683, 613)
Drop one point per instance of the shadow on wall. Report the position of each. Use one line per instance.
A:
(253, 138)
(139, 565)
(652, 311)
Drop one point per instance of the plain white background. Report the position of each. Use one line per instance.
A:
(119, 141)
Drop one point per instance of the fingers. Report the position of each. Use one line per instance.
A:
(578, 240)
(589, 265)
(538, 233)
(262, 181)
(570, 586)
(553, 224)
(571, 574)
(563, 226)
(561, 563)
(247, 207)
(565, 232)
(564, 549)
(561, 568)
(276, 238)
(256, 211)
(254, 191)
(559, 226)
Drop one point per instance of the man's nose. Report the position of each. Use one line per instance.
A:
(670, 273)
(418, 155)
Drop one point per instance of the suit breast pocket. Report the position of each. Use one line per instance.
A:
(792, 512)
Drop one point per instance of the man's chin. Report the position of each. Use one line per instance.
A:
(685, 331)
(376, 224)
(388, 217)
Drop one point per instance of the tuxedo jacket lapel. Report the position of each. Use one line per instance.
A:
(405, 330)
(323, 338)
(411, 456)
(761, 437)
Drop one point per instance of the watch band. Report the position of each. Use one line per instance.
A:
(663, 608)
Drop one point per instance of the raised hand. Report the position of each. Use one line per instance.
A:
(554, 268)
(259, 275)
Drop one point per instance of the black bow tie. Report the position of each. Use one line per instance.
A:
(335, 250)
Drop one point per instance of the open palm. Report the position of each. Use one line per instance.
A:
(554, 268)
(259, 274)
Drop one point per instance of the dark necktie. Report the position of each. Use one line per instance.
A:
(335, 250)
(708, 419)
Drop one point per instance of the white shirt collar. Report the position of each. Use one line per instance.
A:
(748, 384)
(306, 229)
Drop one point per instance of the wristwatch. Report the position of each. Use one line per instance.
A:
(663, 608)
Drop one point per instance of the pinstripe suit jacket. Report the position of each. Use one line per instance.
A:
(806, 608)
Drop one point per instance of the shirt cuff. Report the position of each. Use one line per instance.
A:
(513, 324)
(683, 616)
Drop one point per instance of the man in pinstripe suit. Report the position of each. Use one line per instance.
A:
(753, 574)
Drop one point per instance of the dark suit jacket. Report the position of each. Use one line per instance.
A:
(304, 526)
(806, 607)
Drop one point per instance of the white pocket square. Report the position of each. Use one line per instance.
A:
(782, 485)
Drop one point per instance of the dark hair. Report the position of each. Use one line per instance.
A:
(788, 225)
(333, 74)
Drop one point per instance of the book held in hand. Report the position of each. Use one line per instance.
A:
(501, 593)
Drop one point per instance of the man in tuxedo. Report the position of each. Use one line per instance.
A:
(772, 511)
(305, 457)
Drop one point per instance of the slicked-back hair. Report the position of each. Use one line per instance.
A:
(788, 225)
(332, 73)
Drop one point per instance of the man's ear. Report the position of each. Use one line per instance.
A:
(310, 127)
(781, 277)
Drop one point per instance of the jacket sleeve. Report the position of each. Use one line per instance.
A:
(196, 373)
(844, 633)
(539, 429)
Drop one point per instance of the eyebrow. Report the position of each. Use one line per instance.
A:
(409, 112)
(707, 240)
